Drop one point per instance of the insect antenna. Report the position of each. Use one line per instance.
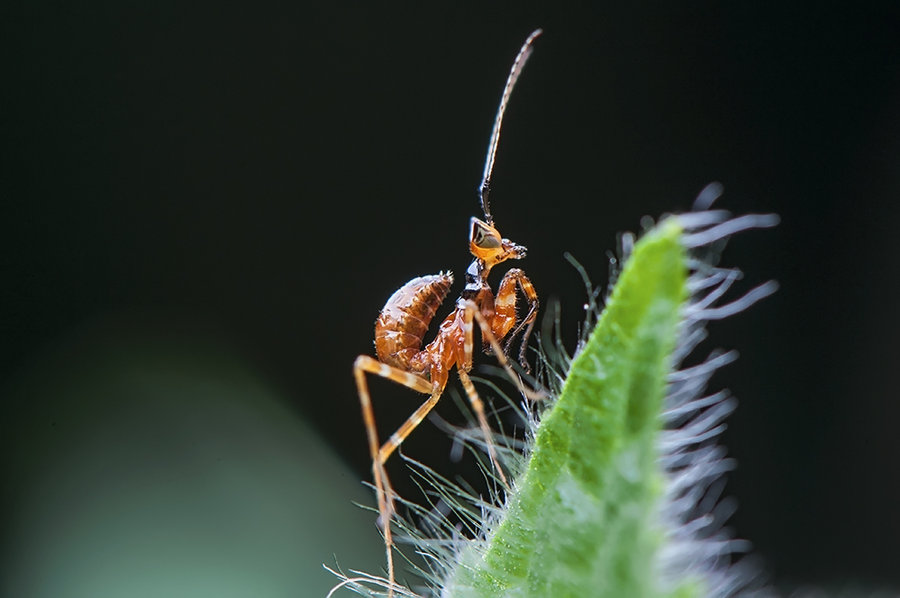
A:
(515, 71)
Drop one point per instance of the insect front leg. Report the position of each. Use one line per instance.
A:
(504, 323)
(488, 335)
(471, 314)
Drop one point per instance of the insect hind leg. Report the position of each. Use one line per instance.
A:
(384, 493)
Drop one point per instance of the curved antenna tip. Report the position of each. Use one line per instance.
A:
(514, 72)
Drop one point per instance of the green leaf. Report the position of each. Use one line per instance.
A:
(616, 493)
(582, 520)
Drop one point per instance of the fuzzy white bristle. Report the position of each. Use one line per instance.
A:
(692, 512)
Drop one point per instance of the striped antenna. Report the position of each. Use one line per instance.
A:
(515, 71)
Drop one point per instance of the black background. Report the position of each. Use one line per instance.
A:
(269, 174)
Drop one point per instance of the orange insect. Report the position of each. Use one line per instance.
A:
(403, 322)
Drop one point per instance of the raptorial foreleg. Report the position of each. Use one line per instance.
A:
(505, 323)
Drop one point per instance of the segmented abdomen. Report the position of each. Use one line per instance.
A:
(403, 322)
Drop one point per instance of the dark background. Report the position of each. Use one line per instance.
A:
(268, 175)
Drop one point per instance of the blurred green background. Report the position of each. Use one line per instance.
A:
(145, 462)
(206, 205)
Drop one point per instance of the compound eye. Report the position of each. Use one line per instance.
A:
(483, 237)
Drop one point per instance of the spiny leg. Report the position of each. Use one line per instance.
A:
(471, 313)
(486, 333)
(505, 312)
(383, 490)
